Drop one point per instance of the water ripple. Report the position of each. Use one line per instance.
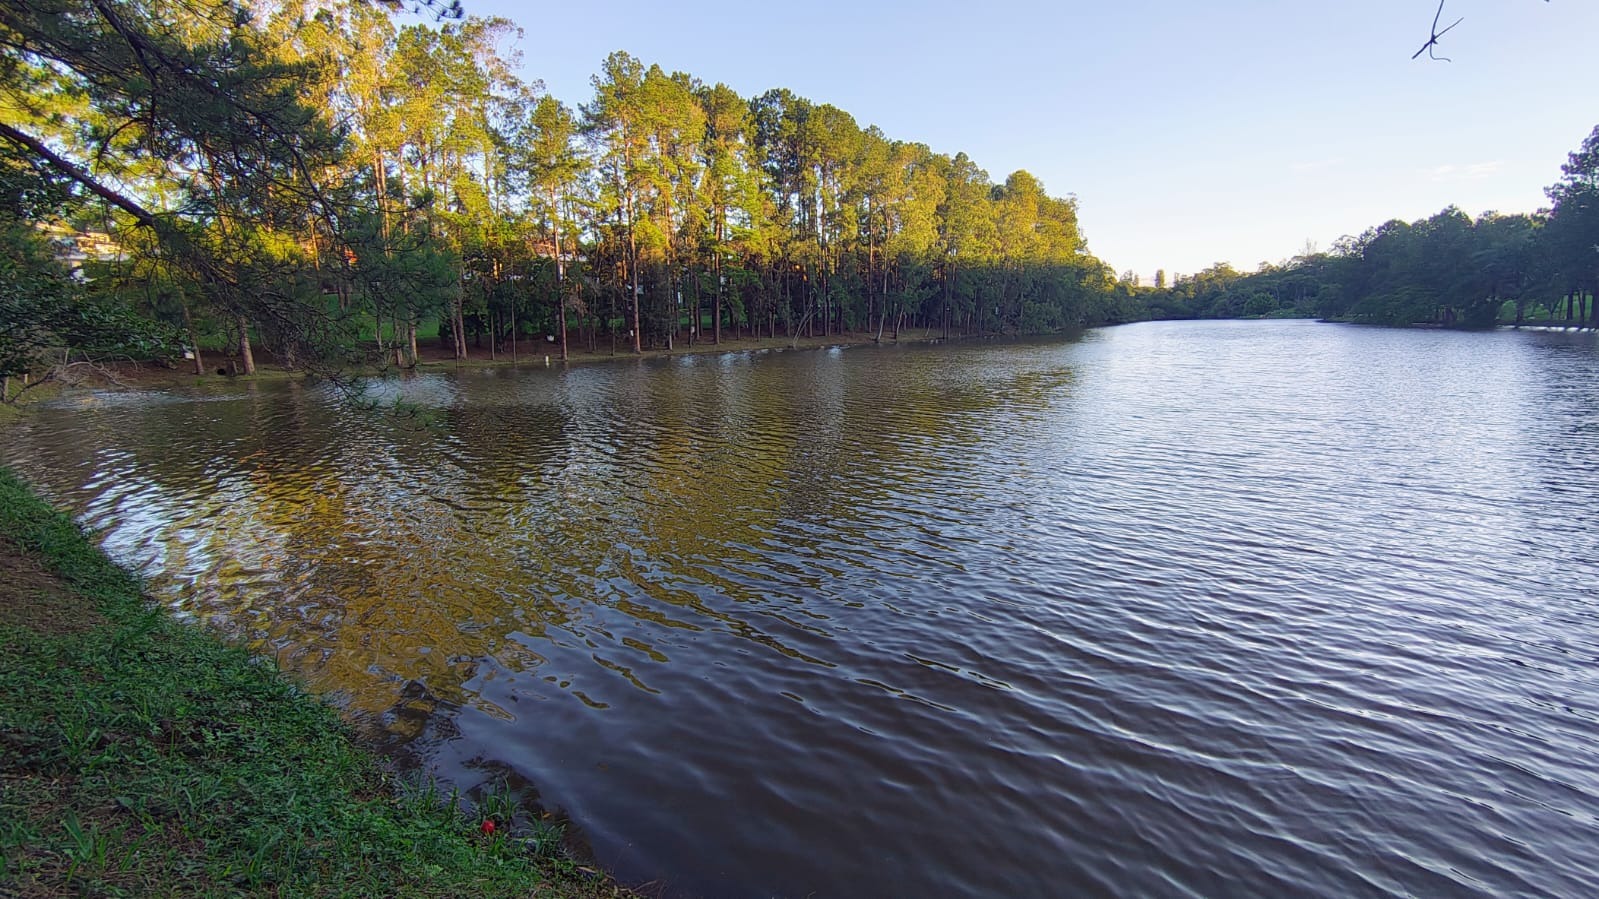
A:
(1179, 609)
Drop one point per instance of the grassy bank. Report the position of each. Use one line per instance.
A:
(139, 756)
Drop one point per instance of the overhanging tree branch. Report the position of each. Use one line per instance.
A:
(1432, 41)
(71, 170)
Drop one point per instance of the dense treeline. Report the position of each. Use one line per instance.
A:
(300, 172)
(311, 176)
(1445, 270)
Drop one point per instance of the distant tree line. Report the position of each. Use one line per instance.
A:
(1448, 270)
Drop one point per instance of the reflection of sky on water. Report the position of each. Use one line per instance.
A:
(1082, 596)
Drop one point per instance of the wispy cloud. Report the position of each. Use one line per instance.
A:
(1475, 171)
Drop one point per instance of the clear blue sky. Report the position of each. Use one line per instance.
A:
(1191, 132)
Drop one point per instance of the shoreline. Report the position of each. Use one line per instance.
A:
(92, 818)
(147, 375)
(152, 375)
(143, 754)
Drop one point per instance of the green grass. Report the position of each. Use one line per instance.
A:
(426, 329)
(141, 756)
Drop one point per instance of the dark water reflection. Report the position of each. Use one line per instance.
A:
(1182, 609)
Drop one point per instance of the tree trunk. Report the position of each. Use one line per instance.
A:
(194, 342)
(673, 290)
(949, 295)
(696, 321)
(458, 325)
(882, 298)
(560, 296)
(632, 276)
(246, 358)
(560, 277)
(716, 312)
(633, 286)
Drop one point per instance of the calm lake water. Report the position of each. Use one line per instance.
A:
(1256, 608)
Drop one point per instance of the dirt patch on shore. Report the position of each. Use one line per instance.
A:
(33, 597)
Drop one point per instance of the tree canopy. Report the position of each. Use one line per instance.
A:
(328, 184)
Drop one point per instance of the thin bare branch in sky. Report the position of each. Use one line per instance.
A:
(1432, 42)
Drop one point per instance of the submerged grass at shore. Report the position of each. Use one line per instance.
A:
(140, 756)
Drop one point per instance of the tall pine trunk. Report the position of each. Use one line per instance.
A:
(721, 286)
(246, 357)
(560, 274)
